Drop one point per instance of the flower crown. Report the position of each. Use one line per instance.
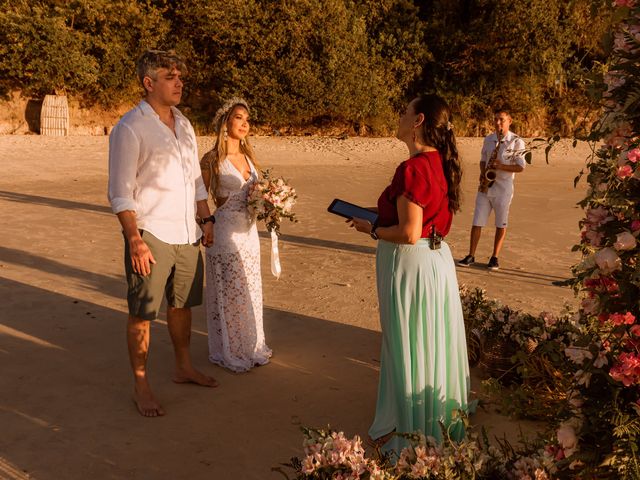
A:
(224, 110)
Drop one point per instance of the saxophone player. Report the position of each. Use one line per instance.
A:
(502, 151)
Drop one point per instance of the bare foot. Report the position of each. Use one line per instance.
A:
(146, 402)
(194, 376)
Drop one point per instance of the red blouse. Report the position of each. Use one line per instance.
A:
(420, 179)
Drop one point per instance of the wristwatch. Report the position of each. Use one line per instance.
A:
(211, 219)
(373, 233)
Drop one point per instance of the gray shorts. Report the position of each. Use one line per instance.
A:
(178, 273)
(484, 205)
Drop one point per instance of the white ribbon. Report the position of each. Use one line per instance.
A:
(276, 269)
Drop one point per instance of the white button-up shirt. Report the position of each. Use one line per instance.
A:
(156, 173)
(510, 152)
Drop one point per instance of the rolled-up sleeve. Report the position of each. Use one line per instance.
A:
(201, 191)
(519, 148)
(124, 149)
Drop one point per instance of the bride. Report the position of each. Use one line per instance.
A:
(234, 286)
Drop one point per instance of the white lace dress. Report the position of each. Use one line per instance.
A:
(234, 285)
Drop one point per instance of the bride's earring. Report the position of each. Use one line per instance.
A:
(242, 142)
(225, 134)
(414, 135)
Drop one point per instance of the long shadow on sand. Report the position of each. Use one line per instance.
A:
(65, 405)
(319, 242)
(52, 202)
(113, 286)
(527, 277)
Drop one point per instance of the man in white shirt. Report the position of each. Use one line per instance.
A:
(157, 192)
(507, 153)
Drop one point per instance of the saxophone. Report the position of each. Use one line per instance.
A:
(489, 176)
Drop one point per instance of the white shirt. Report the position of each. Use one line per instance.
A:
(156, 173)
(511, 152)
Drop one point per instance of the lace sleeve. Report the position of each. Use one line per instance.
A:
(207, 161)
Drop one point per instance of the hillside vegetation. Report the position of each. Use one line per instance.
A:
(317, 63)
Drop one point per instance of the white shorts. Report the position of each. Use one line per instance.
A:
(485, 204)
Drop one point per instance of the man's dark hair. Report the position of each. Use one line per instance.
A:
(153, 60)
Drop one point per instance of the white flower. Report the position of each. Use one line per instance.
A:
(577, 355)
(567, 438)
(590, 305)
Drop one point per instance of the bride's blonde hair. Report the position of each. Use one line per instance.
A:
(212, 160)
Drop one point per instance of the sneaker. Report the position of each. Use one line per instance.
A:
(493, 263)
(467, 261)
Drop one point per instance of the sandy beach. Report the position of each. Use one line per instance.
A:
(65, 390)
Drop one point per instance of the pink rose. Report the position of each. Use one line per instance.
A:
(633, 155)
(625, 241)
(635, 225)
(635, 330)
(608, 261)
(624, 171)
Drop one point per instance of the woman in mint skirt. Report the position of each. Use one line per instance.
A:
(424, 371)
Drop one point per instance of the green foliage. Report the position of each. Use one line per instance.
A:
(528, 55)
(297, 63)
(84, 48)
(300, 62)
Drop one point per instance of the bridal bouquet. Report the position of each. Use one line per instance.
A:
(272, 199)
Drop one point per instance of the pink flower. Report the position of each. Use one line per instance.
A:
(608, 261)
(622, 318)
(627, 369)
(635, 330)
(620, 136)
(633, 155)
(598, 216)
(625, 241)
(635, 225)
(593, 237)
(624, 171)
(590, 305)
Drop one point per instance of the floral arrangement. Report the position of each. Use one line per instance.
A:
(605, 413)
(272, 199)
(533, 350)
(595, 423)
(331, 455)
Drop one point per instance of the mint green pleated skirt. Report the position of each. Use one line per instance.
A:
(424, 370)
